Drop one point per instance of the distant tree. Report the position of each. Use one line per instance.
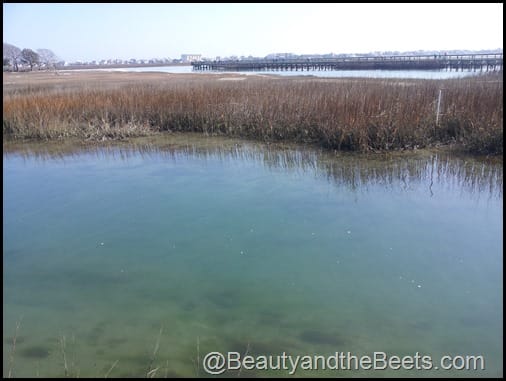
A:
(30, 57)
(13, 54)
(48, 58)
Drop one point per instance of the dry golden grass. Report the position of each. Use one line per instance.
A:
(343, 114)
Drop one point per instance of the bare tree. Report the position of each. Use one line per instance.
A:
(13, 54)
(30, 57)
(48, 58)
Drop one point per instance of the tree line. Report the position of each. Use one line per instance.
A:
(15, 57)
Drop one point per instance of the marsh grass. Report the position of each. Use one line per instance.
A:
(69, 368)
(111, 368)
(341, 114)
(151, 372)
(13, 348)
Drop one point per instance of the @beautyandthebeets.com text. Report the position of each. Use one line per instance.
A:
(217, 362)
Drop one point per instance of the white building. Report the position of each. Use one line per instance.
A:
(187, 58)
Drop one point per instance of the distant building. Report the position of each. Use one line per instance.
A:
(187, 58)
(274, 56)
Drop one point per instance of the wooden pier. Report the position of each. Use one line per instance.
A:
(457, 62)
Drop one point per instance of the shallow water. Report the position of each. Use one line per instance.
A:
(228, 245)
(422, 74)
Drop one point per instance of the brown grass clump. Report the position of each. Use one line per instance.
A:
(342, 114)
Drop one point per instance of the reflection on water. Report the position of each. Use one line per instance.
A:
(355, 171)
(230, 245)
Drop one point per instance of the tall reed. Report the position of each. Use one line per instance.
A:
(343, 114)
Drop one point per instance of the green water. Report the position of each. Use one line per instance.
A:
(226, 245)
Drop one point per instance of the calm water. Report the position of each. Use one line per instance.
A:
(424, 74)
(226, 245)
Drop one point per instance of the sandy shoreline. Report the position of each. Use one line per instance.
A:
(101, 75)
(80, 77)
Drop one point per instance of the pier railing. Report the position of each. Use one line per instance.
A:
(481, 62)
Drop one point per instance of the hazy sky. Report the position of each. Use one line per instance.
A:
(102, 31)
